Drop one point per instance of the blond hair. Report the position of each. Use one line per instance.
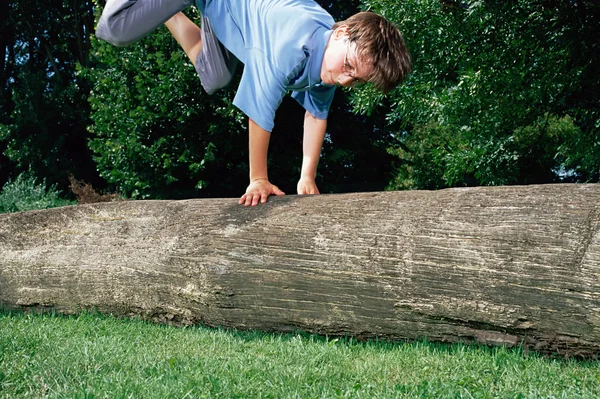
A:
(381, 44)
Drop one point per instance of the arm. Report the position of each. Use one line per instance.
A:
(187, 34)
(314, 133)
(260, 187)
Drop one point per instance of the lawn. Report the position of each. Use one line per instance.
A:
(94, 356)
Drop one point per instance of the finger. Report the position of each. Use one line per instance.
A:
(263, 198)
(277, 191)
(312, 190)
(248, 201)
(255, 199)
(242, 200)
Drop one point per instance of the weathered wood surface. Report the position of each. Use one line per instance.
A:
(506, 265)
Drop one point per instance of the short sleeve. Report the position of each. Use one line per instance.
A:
(316, 100)
(261, 89)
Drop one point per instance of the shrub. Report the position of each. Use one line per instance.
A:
(24, 193)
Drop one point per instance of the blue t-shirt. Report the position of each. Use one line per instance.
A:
(281, 43)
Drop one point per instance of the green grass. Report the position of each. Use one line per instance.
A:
(93, 356)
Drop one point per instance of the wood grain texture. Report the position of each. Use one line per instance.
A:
(495, 265)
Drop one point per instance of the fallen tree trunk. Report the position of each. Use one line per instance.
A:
(503, 265)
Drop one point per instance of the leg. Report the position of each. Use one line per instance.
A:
(126, 21)
(187, 35)
(214, 64)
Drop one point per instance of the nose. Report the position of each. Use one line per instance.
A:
(346, 81)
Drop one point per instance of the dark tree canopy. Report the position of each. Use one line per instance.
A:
(45, 114)
(501, 93)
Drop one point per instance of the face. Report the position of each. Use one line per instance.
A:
(341, 65)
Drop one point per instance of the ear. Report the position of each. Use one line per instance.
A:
(340, 32)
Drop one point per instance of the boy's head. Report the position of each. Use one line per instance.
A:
(379, 49)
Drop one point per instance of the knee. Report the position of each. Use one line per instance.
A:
(211, 86)
(215, 77)
(113, 33)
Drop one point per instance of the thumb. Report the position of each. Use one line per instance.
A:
(277, 191)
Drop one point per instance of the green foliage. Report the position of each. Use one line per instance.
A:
(44, 111)
(155, 132)
(496, 93)
(92, 356)
(25, 193)
(502, 93)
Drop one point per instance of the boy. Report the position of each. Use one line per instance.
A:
(285, 45)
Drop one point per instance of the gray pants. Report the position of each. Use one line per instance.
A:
(125, 21)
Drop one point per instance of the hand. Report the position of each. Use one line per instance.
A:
(307, 185)
(259, 190)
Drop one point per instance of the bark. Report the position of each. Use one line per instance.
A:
(502, 265)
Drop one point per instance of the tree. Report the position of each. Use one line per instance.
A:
(156, 134)
(502, 93)
(494, 265)
(44, 112)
